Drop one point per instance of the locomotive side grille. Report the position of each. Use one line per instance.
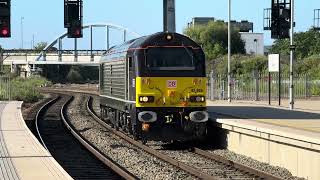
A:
(114, 79)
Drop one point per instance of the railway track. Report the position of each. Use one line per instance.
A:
(73, 156)
(224, 168)
(206, 165)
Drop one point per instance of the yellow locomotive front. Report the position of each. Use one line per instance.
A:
(155, 88)
(171, 93)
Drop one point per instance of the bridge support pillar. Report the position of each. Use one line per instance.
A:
(60, 50)
(14, 68)
(75, 50)
(28, 70)
(91, 45)
(44, 55)
(108, 37)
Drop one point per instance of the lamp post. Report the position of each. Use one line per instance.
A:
(256, 45)
(22, 18)
(292, 48)
(229, 50)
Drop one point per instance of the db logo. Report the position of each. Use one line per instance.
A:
(172, 83)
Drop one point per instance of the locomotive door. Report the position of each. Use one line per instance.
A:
(131, 79)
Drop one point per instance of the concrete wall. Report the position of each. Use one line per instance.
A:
(254, 43)
(296, 150)
(50, 59)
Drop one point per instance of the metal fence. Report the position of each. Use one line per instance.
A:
(256, 86)
(5, 88)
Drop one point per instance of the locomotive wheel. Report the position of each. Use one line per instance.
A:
(129, 125)
(102, 112)
(123, 122)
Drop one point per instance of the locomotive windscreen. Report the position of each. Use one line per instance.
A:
(170, 59)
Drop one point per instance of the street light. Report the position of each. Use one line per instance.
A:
(229, 50)
(256, 45)
(22, 18)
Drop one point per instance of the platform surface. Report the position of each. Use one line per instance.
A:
(306, 115)
(22, 156)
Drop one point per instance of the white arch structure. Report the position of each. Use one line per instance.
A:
(108, 26)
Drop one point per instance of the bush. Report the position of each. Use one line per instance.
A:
(240, 64)
(27, 89)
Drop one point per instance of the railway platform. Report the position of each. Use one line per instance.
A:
(272, 134)
(22, 156)
(306, 115)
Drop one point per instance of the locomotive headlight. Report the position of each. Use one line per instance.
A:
(197, 99)
(146, 99)
(169, 37)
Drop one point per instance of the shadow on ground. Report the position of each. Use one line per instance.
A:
(249, 112)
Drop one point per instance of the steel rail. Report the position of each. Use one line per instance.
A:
(42, 109)
(107, 161)
(191, 170)
(236, 165)
(198, 151)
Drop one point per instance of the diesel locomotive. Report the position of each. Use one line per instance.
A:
(154, 87)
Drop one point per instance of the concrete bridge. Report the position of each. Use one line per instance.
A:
(27, 60)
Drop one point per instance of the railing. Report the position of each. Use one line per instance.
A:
(67, 51)
(256, 87)
(5, 88)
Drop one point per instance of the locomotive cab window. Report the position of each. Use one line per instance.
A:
(170, 59)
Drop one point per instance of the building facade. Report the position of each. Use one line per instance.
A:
(254, 43)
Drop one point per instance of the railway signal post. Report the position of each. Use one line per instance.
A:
(280, 20)
(169, 16)
(5, 16)
(73, 18)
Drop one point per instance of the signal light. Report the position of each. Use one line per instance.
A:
(5, 32)
(280, 19)
(73, 18)
(5, 9)
(75, 32)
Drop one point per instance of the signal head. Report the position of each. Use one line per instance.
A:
(4, 32)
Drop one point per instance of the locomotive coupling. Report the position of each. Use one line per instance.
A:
(147, 116)
(199, 116)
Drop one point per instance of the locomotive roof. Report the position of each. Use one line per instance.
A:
(152, 40)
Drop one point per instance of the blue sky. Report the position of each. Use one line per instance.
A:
(44, 18)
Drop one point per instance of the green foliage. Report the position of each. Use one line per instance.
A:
(310, 65)
(214, 39)
(58, 73)
(241, 64)
(307, 44)
(40, 46)
(27, 89)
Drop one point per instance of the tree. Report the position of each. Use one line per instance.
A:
(307, 44)
(40, 46)
(214, 39)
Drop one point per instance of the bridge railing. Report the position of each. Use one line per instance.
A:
(67, 51)
(76, 55)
